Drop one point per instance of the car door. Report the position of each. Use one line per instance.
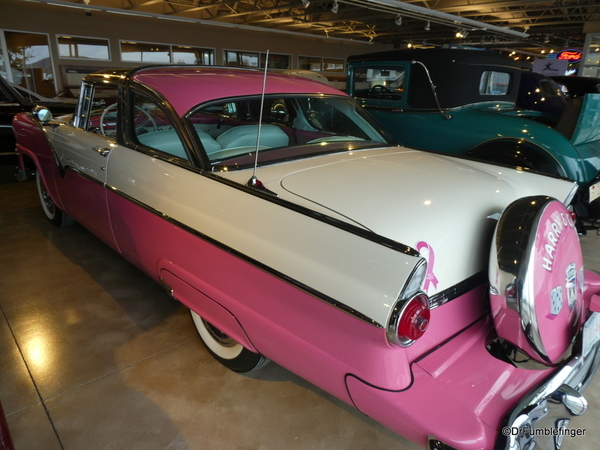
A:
(146, 176)
(83, 150)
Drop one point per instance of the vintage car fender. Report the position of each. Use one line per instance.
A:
(536, 235)
(32, 143)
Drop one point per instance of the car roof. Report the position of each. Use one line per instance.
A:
(579, 85)
(440, 56)
(187, 86)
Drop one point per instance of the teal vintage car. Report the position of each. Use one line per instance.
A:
(463, 102)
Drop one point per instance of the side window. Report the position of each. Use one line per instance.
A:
(152, 127)
(98, 113)
(378, 82)
(494, 83)
(550, 88)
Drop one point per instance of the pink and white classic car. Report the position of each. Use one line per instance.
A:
(443, 297)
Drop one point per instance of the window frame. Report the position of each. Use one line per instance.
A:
(261, 58)
(170, 52)
(322, 62)
(82, 58)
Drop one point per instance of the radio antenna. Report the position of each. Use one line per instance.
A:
(254, 181)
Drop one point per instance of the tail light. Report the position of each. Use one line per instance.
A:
(409, 320)
(572, 213)
(414, 319)
(410, 316)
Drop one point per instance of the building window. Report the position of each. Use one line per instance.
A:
(142, 52)
(193, 55)
(29, 62)
(234, 58)
(276, 61)
(165, 53)
(241, 59)
(334, 65)
(318, 64)
(83, 48)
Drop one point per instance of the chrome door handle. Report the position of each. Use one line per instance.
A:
(104, 151)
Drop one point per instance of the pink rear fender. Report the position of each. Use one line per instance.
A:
(299, 331)
(180, 282)
(460, 393)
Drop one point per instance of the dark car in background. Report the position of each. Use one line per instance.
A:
(578, 86)
(538, 92)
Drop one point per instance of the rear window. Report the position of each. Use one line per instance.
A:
(494, 83)
(381, 83)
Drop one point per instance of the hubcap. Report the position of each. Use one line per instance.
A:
(219, 336)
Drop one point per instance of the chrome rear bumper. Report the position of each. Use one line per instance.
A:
(540, 420)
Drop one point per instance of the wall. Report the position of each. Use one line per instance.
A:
(17, 15)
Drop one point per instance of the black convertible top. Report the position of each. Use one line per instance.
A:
(456, 74)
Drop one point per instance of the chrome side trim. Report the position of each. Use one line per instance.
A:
(298, 284)
(363, 233)
(571, 195)
(458, 290)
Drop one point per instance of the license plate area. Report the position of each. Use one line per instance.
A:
(594, 191)
(591, 333)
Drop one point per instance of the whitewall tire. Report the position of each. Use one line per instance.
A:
(226, 350)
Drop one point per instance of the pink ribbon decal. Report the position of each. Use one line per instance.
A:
(427, 252)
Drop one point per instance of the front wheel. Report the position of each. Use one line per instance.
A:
(53, 213)
(224, 349)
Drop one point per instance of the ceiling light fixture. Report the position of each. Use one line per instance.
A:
(335, 7)
(428, 26)
(305, 3)
(398, 20)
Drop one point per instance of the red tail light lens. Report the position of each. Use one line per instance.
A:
(414, 319)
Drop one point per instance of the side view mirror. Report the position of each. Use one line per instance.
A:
(42, 113)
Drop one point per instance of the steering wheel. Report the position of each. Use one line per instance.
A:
(383, 89)
(109, 109)
(149, 119)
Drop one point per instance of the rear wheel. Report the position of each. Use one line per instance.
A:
(226, 350)
(53, 213)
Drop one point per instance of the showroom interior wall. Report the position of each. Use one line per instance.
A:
(33, 17)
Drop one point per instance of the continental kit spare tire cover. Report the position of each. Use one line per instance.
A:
(536, 278)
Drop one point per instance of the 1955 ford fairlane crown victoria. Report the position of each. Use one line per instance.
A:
(445, 298)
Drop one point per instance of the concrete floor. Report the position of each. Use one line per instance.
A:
(94, 355)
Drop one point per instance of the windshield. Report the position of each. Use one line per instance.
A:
(292, 127)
